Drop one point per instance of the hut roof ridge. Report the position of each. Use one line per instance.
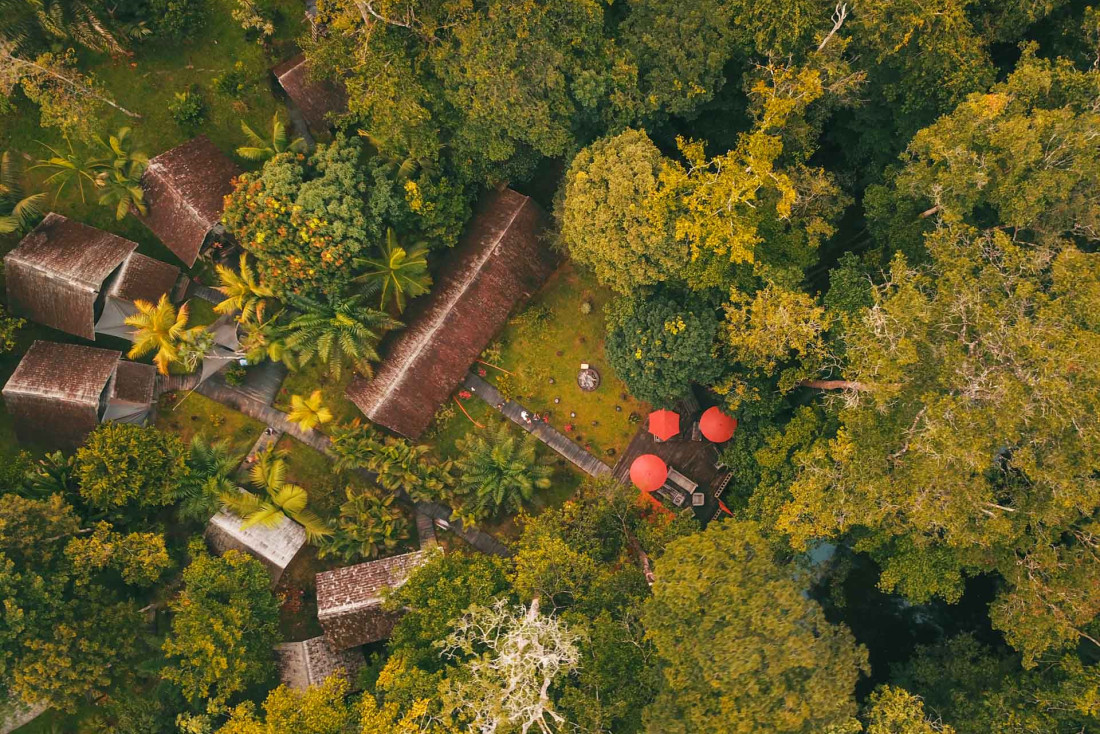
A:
(440, 317)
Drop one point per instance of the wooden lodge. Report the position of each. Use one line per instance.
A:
(499, 263)
(349, 599)
(317, 99)
(185, 190)
(310, 662)
(82, 280)
(60, 392)
(274, 546)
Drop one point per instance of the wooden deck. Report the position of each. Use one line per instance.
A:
(544, 432)
(696, 460)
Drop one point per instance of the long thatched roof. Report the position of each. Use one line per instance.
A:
(498, 264)
(55, 274)
(142, 278)
(315, 98)
(185, 190)
(310, 662)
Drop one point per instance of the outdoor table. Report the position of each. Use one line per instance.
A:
(681, 480)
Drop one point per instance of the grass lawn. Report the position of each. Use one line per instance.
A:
(146, 83)
(198, 414)
(549, 341)
(565, 480)
(315, 376)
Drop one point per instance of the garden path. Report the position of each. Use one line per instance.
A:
(544, 432)
(279, 422)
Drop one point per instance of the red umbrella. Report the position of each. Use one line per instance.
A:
(664, 424)
(716, 425)
(648, 472)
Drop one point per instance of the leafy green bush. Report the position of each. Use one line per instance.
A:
(188, 109)
(235, 374)
(233, 83)
(177, 20)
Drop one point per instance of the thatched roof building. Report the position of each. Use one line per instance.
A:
(60, 392)
(140, 278)
(81, 280)
(349, 599)
(274, 546)
(185, 190)
(311, 662)
(315, 98)
(498, 264)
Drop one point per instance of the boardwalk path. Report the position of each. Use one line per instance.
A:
(217, 390)
(544, 432)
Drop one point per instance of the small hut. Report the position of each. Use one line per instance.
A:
(498, 265)
(139, 279)
(349, 599)
(132, 394)
(311, 662)
(81, 280)
(275, 546)
(185, 190)
(60, 392)
(314, 98)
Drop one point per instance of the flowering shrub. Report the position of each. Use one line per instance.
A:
(306, 219)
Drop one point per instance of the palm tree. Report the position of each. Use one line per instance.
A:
(265, 338)
(69, 168)
(31, 26)
(407, 467)
(308, 412)
(368, 525)
(54, 473)
(262, 149)
(242, 289)
(280, 498)
(498, 471)
(212, 466)
(340, 333)
(396, 274)
(21, 211)
(160, 328)
(122, 193)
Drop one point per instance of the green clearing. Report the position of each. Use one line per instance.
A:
(187, 415)
(315, 376)
(550, 340)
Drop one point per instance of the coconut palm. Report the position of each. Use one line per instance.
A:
(212, 465)
(242, 289)
(338, 334)
(498, 470)
(275, 498)
(264, 338)
(159, 328)
(396, 274)
(70, 168)
(261, 149)
(125, 195)
(54, 473)
(309, 412)
(30, 26)
(18, 212)
(368, 525)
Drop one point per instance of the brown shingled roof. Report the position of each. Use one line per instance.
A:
(55, 273)
(349, 599)
(134, 383)
(57, 390)
(143, 278)
(185, 190)
(314, 97)
(310, 662)
(499, 263)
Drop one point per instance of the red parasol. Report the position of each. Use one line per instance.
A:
(664, 424)
(648, 472)
(716, 425)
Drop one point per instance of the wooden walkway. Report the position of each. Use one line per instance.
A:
(277, 420)
(205, 292)
(544, 432)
